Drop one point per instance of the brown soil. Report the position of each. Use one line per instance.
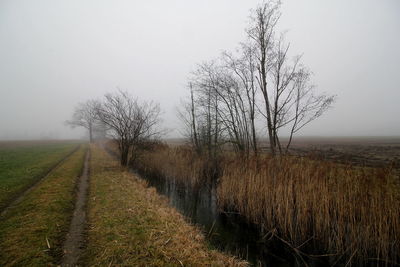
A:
(74, 243)
(359, 151)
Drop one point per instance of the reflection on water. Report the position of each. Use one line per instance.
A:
(227, 232)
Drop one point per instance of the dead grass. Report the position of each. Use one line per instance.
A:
(131, 225)
(31, 232)
(178, 163)
(311, 206)
(344, 210)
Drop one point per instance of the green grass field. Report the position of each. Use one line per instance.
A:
(23, 163)
(33, 230)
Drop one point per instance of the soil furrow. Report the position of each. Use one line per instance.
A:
(74, 243)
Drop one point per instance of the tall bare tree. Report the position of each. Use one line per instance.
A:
(85, 116)
(261, 33)
(288, 98)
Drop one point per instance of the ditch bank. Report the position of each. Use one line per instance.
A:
(226, 231)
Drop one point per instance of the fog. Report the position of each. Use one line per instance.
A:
(55, 54)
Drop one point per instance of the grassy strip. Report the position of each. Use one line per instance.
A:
(131, 225)
(32, 232)
(23, 164)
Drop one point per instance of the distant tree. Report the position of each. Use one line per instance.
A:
(100, 130)
(132, 123)
(85, 116)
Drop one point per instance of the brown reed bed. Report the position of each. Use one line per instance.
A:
(316, 208)
(180, 164)
(346, 211)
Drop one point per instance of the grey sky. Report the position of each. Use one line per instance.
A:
(54, 54)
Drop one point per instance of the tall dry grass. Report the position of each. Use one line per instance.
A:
(313, 206)
(180, 164)
(344, 210)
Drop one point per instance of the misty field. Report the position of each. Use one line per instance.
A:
(23, 163)
(200, 133)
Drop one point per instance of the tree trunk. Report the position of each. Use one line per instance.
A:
(196, 141)
(90, 133)
(124, 155)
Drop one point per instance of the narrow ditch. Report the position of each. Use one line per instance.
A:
(75, 239)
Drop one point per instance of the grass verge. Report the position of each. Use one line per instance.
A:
(32, 231)
(131, 225)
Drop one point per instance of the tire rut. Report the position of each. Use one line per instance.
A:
(75, 239)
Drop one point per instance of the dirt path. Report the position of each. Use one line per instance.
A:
(21, 196)
(74, 243)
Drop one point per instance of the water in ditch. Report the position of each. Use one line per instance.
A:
(225, 231)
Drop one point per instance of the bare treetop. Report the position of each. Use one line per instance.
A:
(131, 122)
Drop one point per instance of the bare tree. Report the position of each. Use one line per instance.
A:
(261, 34)
(228, 93)
(99, 130)
(131, 122)
(243, 70)
(85, 116)
(204, 102)
(306, 106)
(289, 99)
(188, 115)
(222, 107)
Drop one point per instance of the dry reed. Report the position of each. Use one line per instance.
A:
(180, 164)
(314, 206)
(344, 210)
